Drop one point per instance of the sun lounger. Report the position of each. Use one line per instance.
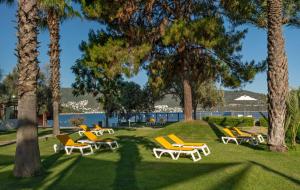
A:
(99, 128)
(259, 137)
(69, 145)
(97, 143)
(86, 128)
(179, 142)
(237, 139)
(173, 151)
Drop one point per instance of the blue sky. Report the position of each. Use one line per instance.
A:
(76, 30)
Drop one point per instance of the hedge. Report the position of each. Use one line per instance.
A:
(263, 122)
(231, 121)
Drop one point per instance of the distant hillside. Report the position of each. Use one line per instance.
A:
(85, 103)
(88, 103)
(229, 96)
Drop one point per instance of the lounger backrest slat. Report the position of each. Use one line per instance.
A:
(84, 127)
(98, 127)
(238, 131)
(65, 140)
(90, 136)
(163, 142)
(176, 139)
(228, 132)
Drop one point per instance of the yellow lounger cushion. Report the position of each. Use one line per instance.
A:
(94, 138)
(164, 143)
(84, 127)
(67, 141)
(98, 127)
(177, 140)
(241, 133)
(228, 132)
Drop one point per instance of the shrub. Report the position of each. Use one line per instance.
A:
(76, 121)
(231, 121)
(263, 122)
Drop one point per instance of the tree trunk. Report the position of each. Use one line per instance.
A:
(188, 108)
(195, 112)
(106, 120)
(44, 119)
(53, 24)
(187, 90)
(27, 157)
(277, 77)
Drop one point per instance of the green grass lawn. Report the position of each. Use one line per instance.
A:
(133, 166)
(11, 134)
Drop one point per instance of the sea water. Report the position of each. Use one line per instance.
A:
(99, 118)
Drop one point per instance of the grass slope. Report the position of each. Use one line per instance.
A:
(133, 166)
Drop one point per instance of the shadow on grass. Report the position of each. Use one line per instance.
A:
(104, 170)
(126, 166)
(216, 130)
(7, 132)
(259, 147)
(296, 181)
(232, 182)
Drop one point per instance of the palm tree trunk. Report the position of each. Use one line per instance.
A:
(27, 157)
(277, 77)
(53, 24)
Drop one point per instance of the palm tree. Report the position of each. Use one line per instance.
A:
(27, 157)
(52, 13)
(271, 15)
(277, 77)
(292, 121)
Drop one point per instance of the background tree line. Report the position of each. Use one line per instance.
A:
(162, 35)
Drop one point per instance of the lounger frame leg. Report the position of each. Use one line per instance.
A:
(197, 157)
(227, 139)
(260, 138)
(205, 150)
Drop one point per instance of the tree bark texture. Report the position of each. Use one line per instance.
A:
(195, 112)
(187, 90)
(277, 77)
(44, 119)
(27, 157)
(54, 53)
(188, 108)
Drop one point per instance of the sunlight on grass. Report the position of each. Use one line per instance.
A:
(133, 166)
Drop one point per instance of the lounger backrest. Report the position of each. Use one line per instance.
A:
(98, 127)
(90, 136)
(65, 140)
(163, 142)
(84, 127)
(176, 139)
(228, 132)
(238, 131)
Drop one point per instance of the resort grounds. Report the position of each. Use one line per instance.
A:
(133, 165)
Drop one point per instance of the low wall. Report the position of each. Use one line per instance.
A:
(8, 124)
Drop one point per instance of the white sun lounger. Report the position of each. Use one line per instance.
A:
(97, 143)
(173, 151)
(180, 143)
(86, 128)
(69, 145)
